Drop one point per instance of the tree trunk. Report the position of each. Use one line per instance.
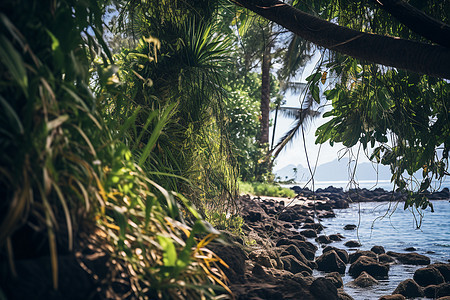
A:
(265, 94)
(417, 57)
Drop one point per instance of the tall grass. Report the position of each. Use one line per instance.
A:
(67, 174)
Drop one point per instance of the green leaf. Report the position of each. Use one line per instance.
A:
(14, 63)
(315, 93)
(169, 251)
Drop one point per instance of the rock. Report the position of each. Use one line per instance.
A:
(259, 272)
(309, 233)
(336, 237)
(386, 259)
(293, 265)
(335, 278)
(410, 249)
(355, 255)
(341, 252)
(427, 276)
(350, 227)
(410, 258)
(409, 288)
(324, 289)
(330, 262)
(393, 297)
(264, 260)
(364, 280)
(444, 269)
(343, 295)
(308, 249)
(323, 239)
(234, 257)
(316, 226)
(443, 290)
(352, 244)
(294, 250)
(370, 265)
(378, 250)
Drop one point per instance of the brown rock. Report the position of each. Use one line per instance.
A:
(378, 250)
(364, 280)
(393, 297)
(352, 244)
(335, 278)
(323, 288)
(341, 252)
(293, 265)
(358, 253)
(409, 288)
(330, 262)
(370, 265)
(428, 276)
(410, 258)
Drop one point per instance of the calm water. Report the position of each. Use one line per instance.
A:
(395, 229)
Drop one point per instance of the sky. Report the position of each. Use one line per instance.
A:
(295, 152)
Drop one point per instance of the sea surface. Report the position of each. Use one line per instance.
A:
(394, 228)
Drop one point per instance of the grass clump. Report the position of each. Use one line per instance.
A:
(265, 189)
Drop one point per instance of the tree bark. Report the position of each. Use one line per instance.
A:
(418, 21)
(265, 93)
(404, 54)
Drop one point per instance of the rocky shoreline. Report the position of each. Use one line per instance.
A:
(277, 260)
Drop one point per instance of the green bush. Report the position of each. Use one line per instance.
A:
(265, 189)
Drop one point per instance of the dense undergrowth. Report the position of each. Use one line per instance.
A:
(86, 158)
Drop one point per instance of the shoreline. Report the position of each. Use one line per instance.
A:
(279, 253)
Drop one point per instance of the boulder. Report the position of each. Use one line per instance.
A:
(323, 288)
(410, 249)
(370, 265)
(378, 250)
(341, 252)
(364, 280)
(234, 257)
(427, 276)
(358, 253)
(330, 262)
(309, 233)
(294, 250)
(350, 227)
(343, 295)
(410, 258)
(293, 265)
(316, 226)
(323, 239)
(336, 237)
(444, 269)
(335, 278)
(409, 288)
(352, 244)
(443, 290)
(386, 259)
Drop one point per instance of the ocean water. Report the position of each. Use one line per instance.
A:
(388, 225)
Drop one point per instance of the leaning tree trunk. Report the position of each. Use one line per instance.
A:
(409, 55)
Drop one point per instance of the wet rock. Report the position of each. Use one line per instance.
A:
(427, 276)
(386, 259)
(378, 250)
(336, 237)
(343, 255)
(323, 239)
(335, 278)
(364, 280)
(358, 253)
(370, 265)
(443, 290)
(324, 289)
(293, 265)
(410, 258)
(410, 249)
(308, 249)
(444, 269)
(409, 288)
(316, 226)
(343, 295)
(309, 233)
(352, 244)
(350, 227)
(330, 262)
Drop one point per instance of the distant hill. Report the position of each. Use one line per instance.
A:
(337, 170)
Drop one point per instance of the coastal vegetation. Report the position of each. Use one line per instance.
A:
(129, 128)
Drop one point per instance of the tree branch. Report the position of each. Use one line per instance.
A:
(404, 54)
(418, 21)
